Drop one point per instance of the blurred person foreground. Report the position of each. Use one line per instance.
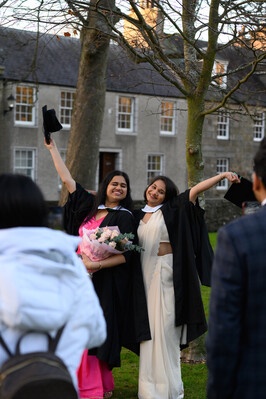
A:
(43, 284)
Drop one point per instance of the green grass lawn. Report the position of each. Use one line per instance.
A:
(213, 239)
(194, 375)
(126, 378)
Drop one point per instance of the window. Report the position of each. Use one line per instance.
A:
(25, 105)
(125, 114)
(24, 162)
(222, 166)
(258, 126)
(223, 125)
(167, 117)
(219, 71)
(66, 107)
(154, 166)
(149, 3)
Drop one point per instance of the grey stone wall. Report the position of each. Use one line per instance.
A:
(220, 212)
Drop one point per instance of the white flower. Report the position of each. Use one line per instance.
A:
(103, 242)
(114, 233)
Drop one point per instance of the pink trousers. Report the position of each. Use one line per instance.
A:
(94, 377)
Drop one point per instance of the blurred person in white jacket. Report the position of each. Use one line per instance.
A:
(43, 283)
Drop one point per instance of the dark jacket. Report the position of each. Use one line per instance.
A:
(192, 259)
(236, 345)
(120, 289)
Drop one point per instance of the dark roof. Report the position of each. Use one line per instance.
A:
(57, 63)
(124, 75)
(253, 91)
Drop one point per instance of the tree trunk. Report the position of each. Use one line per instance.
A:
(196, 351)
(88, 109)
(194, 158)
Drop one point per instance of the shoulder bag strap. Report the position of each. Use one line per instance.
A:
(54, 341)
(4, 345)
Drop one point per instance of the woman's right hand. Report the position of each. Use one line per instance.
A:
(51, 145)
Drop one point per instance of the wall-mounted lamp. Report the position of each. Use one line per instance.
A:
(10, 103)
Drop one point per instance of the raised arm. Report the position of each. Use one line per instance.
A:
(208, 183)
(60, 166)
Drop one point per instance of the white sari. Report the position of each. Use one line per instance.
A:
(159, 368)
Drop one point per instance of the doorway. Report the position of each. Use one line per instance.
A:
(107, 163)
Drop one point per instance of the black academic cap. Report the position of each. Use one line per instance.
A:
(50, 122)
(240, 192)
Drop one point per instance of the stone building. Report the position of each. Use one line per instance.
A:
(144, 122)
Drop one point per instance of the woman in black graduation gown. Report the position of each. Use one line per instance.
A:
(176, 259)
(115, 279)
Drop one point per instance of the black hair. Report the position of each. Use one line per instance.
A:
(260, 162)
(171, 189)
(22, 203)
(100, 197)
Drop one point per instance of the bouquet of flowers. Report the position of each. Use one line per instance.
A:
(103, 242)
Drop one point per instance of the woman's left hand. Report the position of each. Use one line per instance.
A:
(231, 176)
(208, 183)
(91, 266)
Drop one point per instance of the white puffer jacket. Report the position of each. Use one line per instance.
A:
(43, 285)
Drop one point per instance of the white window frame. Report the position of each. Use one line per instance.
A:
(66, 108)
(223, 124)
(168, 117)
(21, 167)
(25, 107)
(218, 73)
(259, 126)
(129, 116)
(222, 165)
(154, 171)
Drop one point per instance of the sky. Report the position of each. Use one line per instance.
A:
(10, 16)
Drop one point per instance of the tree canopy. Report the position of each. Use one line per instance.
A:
(189, 42)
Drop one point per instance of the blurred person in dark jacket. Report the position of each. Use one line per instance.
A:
(236, 345)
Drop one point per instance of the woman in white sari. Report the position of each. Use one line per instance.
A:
(176, 259)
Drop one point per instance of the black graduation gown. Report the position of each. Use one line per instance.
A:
(192, 259)
(120, 289)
